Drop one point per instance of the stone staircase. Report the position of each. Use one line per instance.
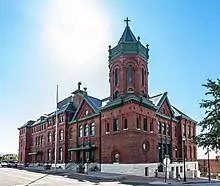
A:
(72, 166)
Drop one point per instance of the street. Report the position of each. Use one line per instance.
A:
(12, 177)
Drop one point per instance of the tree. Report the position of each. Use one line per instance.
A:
(210, 125)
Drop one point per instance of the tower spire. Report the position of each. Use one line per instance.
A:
(127, 20)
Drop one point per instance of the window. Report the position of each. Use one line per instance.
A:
(49, 137)
(184, 130)
(54, 135)
(86, 130)
(168, 129)
(115, 127)
(36, 140)
(61, 135)
(194, 151)
(181, 169)
(62, 119)
(70, 155)
(138, 124)
(80, 131)
(151, 126)
(116, 77)
(145, 124)
(92, 129)
(116, 158)
(49, 155)
(142, 77)
(107, 127)
(164, 128)
(71, 134)
(176, 152)
(159, 127)
(189, 132)
(61, 154)
(129, 75)
(175, 132)
(125, 124)
(41, 140)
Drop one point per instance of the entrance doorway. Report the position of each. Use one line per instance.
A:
(177, 172)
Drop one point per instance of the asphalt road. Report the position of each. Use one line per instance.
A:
(15, 177)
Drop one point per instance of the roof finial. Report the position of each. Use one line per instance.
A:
(79, 84)
(127, 20)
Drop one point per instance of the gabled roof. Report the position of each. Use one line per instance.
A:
(127, 36)
(177, 113)
(156, 99)
(159, 99)
(94, 103)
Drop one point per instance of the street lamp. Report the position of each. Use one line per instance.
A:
(184, 158)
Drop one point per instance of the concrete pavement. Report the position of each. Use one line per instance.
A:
(12, 177)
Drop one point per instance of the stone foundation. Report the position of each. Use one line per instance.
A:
(149, 169)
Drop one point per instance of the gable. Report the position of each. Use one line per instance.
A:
(165, 108)
(84, 110)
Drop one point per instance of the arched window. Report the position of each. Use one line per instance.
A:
(86, 130)
(142, 76)
(49, 137)
(71, 134)
(116, 158)
(61, 154)
(92, 129)
(129, 74)
(116, 77)
(61, 135)
(116, 94)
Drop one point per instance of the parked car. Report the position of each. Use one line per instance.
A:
(9, 163)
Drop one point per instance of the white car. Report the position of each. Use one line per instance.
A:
(8, 163)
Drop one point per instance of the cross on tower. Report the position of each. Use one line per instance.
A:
(127, 20)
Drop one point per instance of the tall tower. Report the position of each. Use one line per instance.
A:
(128, 66)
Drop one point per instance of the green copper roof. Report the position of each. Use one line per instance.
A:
(128, 44)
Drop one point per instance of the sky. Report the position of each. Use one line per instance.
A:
(45, 43)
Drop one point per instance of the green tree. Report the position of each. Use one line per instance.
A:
(210, 125)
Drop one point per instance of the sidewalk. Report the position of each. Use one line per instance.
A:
(109, 177)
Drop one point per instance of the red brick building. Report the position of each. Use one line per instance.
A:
(214, 166)
(132, 127)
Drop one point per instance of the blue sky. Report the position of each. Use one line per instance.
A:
(44, 43)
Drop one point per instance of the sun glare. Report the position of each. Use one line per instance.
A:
(75, 32)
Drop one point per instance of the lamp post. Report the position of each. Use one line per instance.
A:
(184, 158)
(209, 165)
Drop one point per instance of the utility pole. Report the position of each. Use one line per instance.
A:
(184, 158)
(56, 140)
